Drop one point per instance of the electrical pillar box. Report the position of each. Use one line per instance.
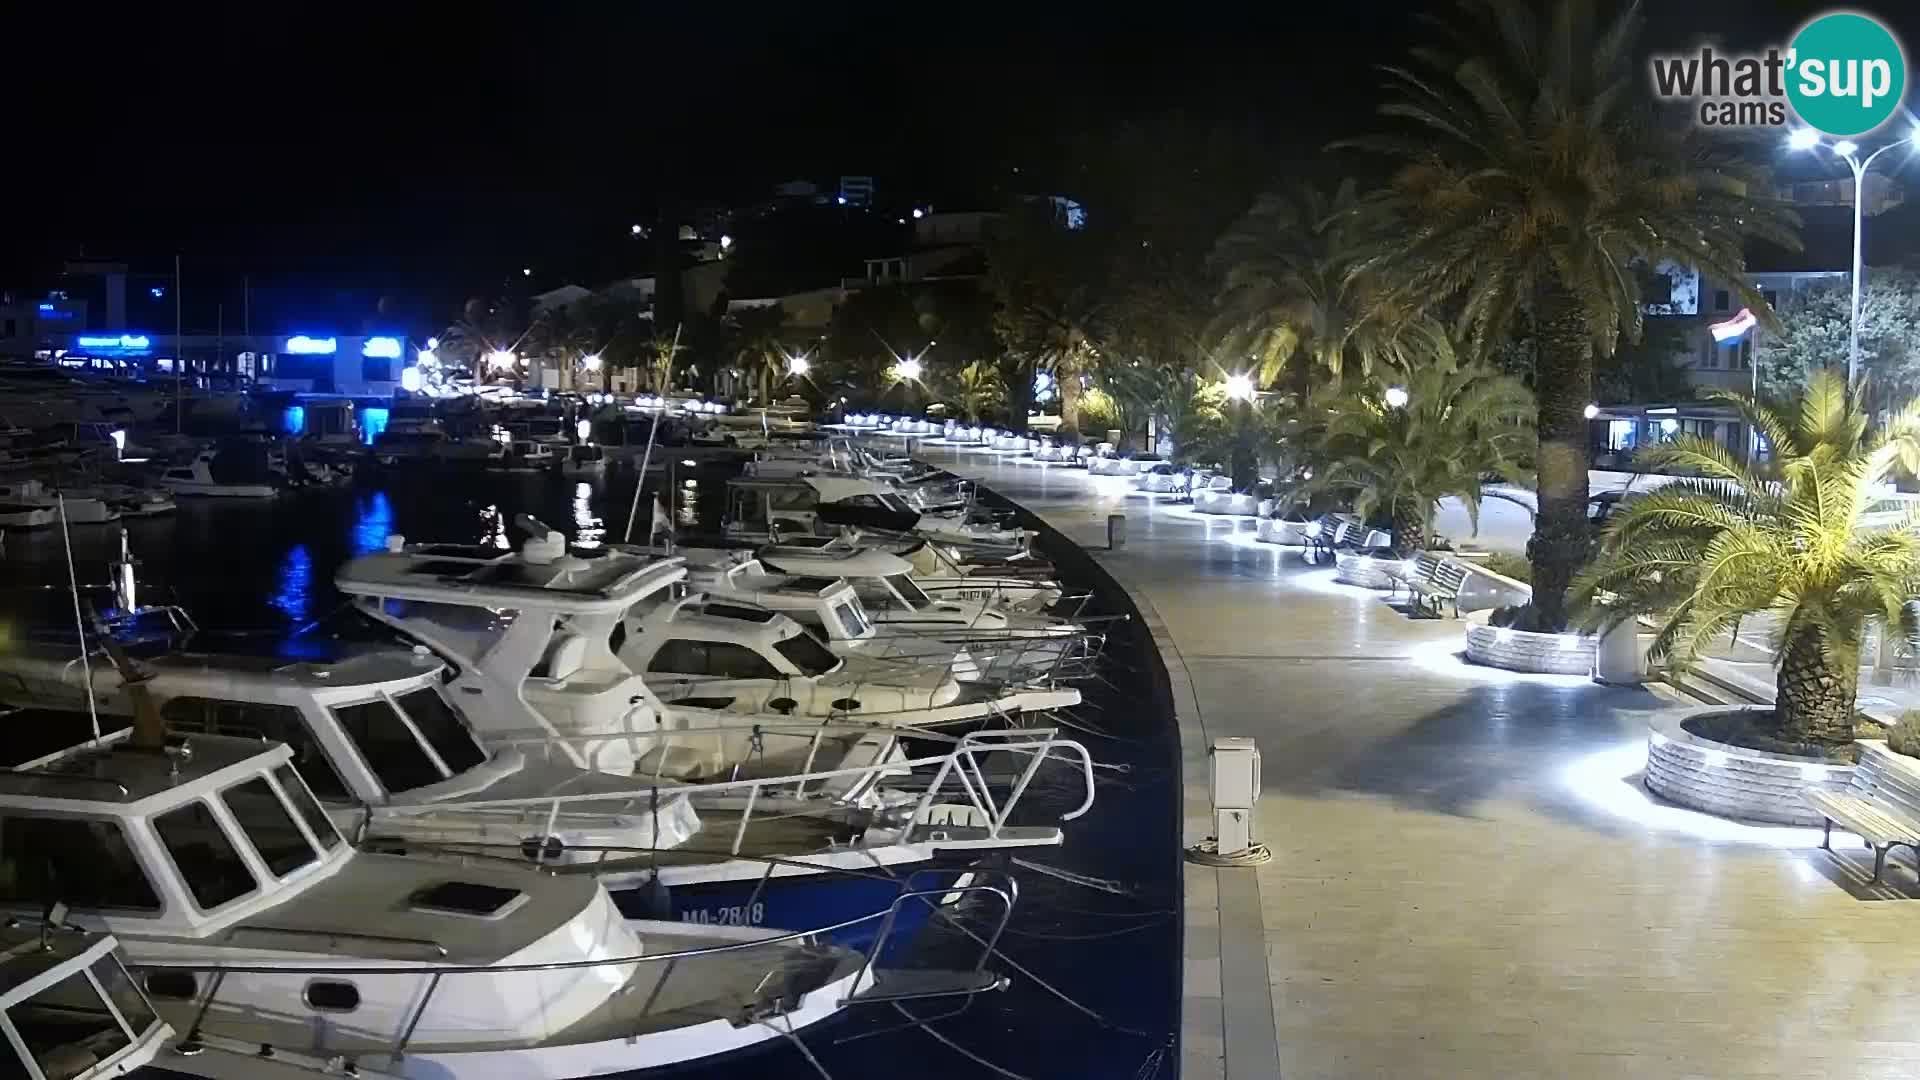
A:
(1235, 765)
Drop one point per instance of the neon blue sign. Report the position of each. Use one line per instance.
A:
(303, 345)
(381, 348)
(123, 341)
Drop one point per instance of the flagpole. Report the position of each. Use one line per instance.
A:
(179, 352)
(653, 432)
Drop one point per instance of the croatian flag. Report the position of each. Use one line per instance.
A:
(1735, 328)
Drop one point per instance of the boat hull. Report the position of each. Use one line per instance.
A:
(802, 903)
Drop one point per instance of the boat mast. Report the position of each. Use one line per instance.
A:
(179, 352)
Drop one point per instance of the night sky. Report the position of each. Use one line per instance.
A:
(405, 144)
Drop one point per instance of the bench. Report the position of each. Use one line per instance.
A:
(1321, 537)
(1435, 581)
(1880, 804)
(1881, 826)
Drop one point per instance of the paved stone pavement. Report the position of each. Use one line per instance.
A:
(1468, 879)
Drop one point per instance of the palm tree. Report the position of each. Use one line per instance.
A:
(1460, 424)
(759, 346)
(1536, 176)
(979, 390)
(1214, 428)
(1704, 553)
(1294, 296)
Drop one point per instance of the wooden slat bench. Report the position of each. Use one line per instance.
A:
(1436, 581)
(1883, 827)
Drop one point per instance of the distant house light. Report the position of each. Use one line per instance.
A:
(303, 345)
(381, 348)
(46, 307)
(157, 291)
(410, 380)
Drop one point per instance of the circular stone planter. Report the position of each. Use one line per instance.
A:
(1528, 651)
(1275, 531)
(1733, 781)
(1367, 571)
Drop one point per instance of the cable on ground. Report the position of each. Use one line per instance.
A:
(1207, 853)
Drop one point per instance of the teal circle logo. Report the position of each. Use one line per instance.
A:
(1846, 74)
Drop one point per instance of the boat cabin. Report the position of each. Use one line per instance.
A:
(69, 1010)
(758, 507)
(700, 638)
(828, 605)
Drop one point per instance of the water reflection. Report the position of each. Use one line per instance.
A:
(293, 588)
(588, 529)
(373, 524)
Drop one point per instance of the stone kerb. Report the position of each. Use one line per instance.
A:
(1733, 781)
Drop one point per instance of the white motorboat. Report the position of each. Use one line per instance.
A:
(380, 742)
(564, 632)
(253, 927)
(132, 500)
(820, 503)
(69, 1010)
(984, 640)
(80, 509)
(197, 478)
(25, 516)
(522, 456)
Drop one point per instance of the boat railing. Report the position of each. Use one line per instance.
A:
(330, 936)
(960, 773)
(422, 981)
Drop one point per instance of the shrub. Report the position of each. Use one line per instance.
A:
(1507, 564)
(1525, 617)
(1904, 736)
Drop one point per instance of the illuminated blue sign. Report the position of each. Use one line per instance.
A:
(303, 345)
(381, 348)
(46, 307)
(122, 341)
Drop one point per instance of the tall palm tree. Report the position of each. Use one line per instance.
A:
(1535, 175)
(759, 346)
(1704, 553)
(1295, 296)
(1461, 423)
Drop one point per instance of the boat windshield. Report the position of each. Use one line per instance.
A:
(895, 503)
(444, 729)
(909, 593)
(805, 652)
(65, 1025)
(390, 748)
(853, 619)
(264, 818)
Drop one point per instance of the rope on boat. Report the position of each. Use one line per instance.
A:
(1106, 885)
(957, 1048)
(1207, 853)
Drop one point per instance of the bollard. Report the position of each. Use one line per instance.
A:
(1116, 531)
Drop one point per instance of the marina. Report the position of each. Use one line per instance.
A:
(914, 796)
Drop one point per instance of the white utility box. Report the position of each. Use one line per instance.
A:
(1235, 775)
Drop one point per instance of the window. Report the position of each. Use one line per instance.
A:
(1711, 361)
(1720, 300)
(257, 720)
(729, 661)
(865, 502)
(332, 995)
(84, 862)
(390, 749)
(681, 657)
(897, 504)
(204, 855)
(1745, 349)
(444, 729)
(126, 997)
(308, 807)
(852, 619)
(257, 808)
(173, 985)
(801, 498)
(805, 652)
(67, 1027)
(904, 587)
(1772, 298)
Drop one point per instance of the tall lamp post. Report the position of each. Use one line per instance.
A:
(1849, 151)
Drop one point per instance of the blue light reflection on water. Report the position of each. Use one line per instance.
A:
(372, 523)
(294, 587)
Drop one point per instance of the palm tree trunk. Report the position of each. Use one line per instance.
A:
(1409, 526)
(1563, 382)
(1814, 698)
(1067, 384)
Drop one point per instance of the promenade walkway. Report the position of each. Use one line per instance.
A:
(1468, 880)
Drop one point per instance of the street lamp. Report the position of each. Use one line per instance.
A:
(1396, 397)
(1848, 151)
(1591, 410)
(1240, 387)
(909, 368)
(798, 365)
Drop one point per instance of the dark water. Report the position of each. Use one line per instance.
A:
(268, 567)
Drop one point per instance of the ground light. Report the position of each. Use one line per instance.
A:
(798, 365)
(1396, 397)
(591, 361)
(1240, 387)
